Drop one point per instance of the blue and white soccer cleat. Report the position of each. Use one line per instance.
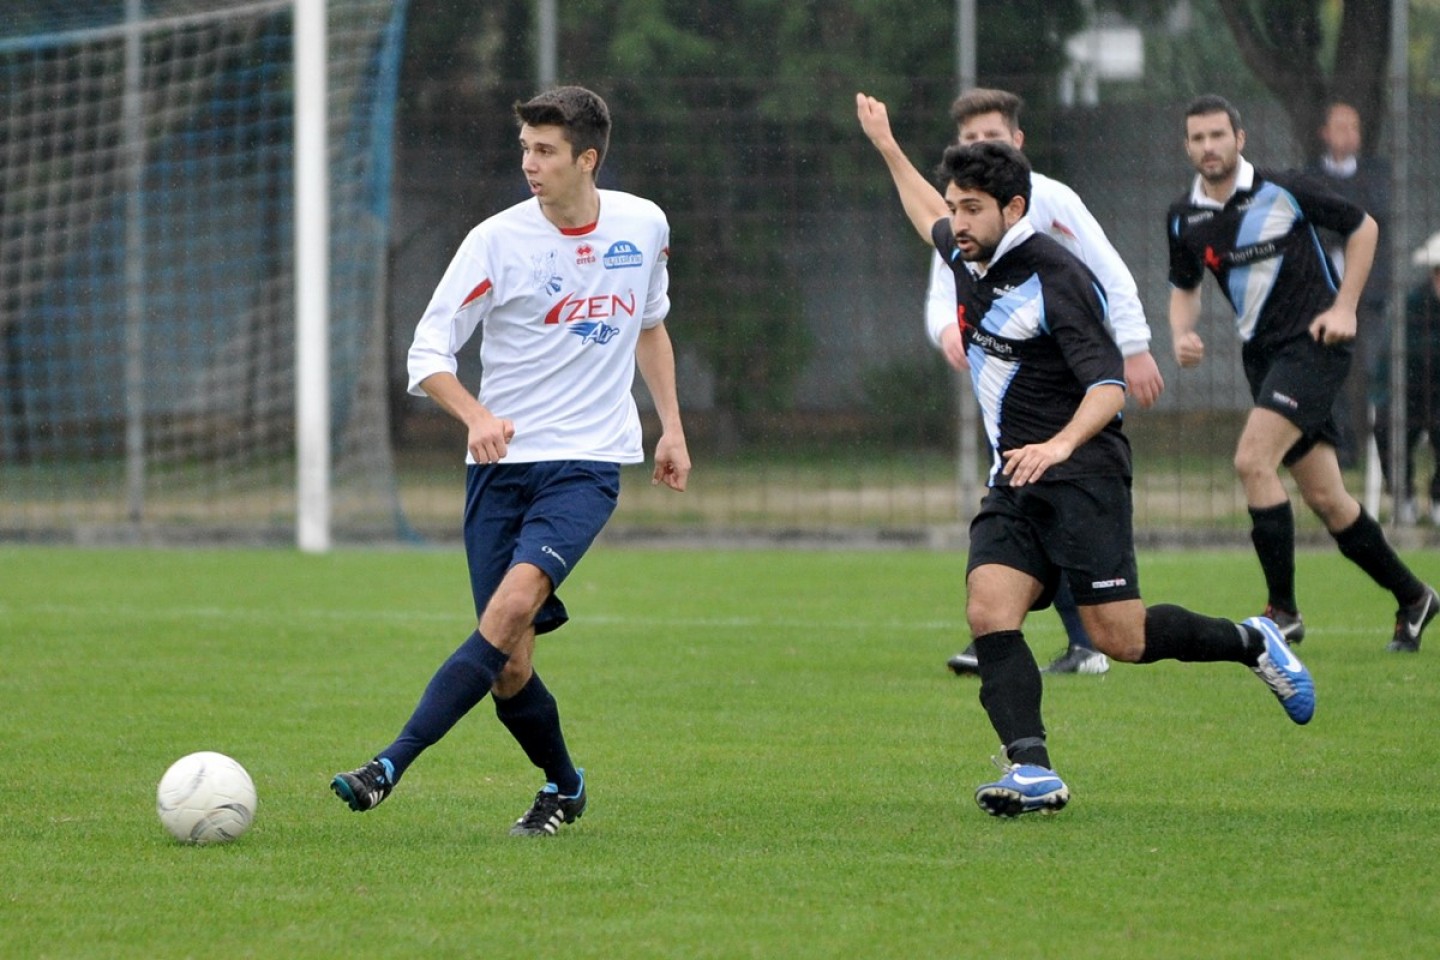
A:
(1283, 672)
(1025, 788)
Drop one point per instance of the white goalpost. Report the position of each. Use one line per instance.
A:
(312, 291)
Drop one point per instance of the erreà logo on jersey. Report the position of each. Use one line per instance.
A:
(623, 253)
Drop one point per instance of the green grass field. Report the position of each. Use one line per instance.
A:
(779, 766)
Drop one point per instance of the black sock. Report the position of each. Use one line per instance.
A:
(533, 720)
(461, 682)
(1010, 689)
(1363, 543)
(1174, 633)
(1272, 531)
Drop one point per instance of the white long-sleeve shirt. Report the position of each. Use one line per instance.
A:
(1057, 210)
(561, 313)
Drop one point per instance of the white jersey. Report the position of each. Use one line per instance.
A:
(1057, 210)
(561, 312)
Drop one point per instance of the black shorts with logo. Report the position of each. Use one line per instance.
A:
(1300, 381)
(1079, 528)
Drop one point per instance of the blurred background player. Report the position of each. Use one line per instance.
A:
(1422, 386)
(571, 289)
(1364, 180)
(981, 115)
(1255, 231)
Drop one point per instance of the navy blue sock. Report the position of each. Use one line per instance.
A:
(534, 721)
(1010, 689)
(461, 682)
(1070, 617)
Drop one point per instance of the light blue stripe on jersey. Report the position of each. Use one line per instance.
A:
(1272, 214)
(1018, 314)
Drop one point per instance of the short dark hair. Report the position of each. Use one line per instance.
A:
(989, 166)
(982, 100)
(581, 113)
(1208, 103)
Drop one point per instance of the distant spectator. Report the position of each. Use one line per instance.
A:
(1364, 180)
(1422, 385)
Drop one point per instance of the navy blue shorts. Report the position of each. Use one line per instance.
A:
(1300, 381)
(1079, 529)
(546, 514)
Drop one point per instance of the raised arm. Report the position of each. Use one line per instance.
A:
(923, 203)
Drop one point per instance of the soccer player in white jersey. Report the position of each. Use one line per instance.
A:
(984, 114)
(571, 290)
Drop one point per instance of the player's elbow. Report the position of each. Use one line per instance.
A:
(1367, 232)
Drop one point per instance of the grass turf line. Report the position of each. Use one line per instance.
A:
(779, 764)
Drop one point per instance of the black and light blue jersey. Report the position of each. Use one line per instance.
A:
(1034, 333)
(1264, 250)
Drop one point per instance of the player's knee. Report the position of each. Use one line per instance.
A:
(509, 612)
(1249, 465)
(1119, 645)
(984, 618)
(512, 679)
(1333, 505)
(1118, 630)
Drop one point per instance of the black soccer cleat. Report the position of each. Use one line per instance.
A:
(363, 789)
(549, 811)
(964, 663)
(1410, 622)
(1291, 626)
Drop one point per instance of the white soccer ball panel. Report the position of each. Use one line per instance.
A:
(206, 797)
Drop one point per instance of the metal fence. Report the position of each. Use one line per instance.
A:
(815, 406)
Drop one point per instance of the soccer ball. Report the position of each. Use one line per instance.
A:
(206, 798)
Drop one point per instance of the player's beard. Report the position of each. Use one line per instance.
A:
(1221, 174)
(983, 252)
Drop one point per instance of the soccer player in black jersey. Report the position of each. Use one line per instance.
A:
(1051, 385)
(1255, 230)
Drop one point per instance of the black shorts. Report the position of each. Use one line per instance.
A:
(1080, 529)
(1300, 381)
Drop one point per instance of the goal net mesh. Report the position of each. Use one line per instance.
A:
(147, 319)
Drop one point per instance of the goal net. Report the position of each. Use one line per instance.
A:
(147, 317)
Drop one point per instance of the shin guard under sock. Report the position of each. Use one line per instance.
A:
(1272, 532)
(461, 682)
(1363, 543)
(533, 720)
(1010, 690)
(1174, 633)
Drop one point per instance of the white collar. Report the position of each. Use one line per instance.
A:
(1340, 168)
(1022, 230)
(1244, 180)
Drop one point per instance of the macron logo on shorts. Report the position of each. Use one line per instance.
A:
(1108, 584)
(1283, 400)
